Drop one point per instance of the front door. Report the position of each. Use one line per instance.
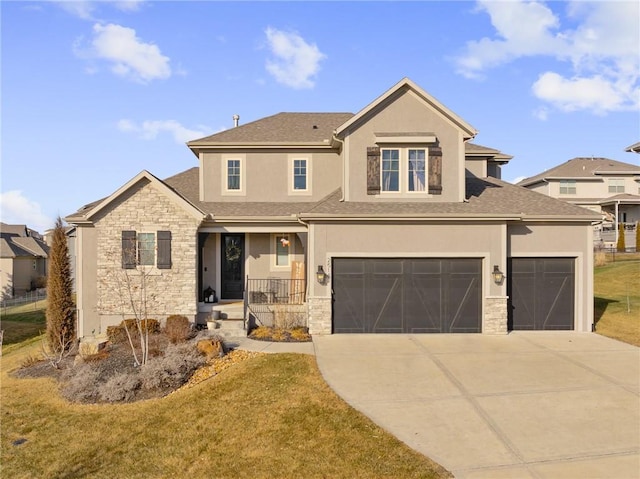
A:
(232, 274)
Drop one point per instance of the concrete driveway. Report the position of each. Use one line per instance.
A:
(524, 405)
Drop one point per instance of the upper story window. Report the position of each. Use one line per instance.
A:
(403, 169)
(567, 187)
(300, 174)
(233, 175)
(616, 185)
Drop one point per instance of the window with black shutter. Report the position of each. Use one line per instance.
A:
(164, 250)
(129, 249)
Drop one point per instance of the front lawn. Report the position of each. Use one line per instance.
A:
(617, 299)
(23, 322)
(269, 416)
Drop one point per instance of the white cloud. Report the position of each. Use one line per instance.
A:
(78, 8)
(129, 5)
(541, 113)
(150, 129)
(128, 55)
(15, 208)
(600, 52)
(295, 62)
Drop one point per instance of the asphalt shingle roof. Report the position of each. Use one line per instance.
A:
(582, 168)
(280, 128)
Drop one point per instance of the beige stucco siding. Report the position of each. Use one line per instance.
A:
(560, 240)
(406, 114)
(261, 256)
(443, 240)
(144, 208)
(87, 279)
(268, 175)
(6, 277)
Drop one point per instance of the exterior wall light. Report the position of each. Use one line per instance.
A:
(497, 275)
(321, 276)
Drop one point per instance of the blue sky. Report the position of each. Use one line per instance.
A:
(95, 92)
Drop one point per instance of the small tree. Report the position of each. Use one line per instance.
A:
(621, 247)
(61, 331)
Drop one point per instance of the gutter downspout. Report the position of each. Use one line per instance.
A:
(307, 256)
(344, 165)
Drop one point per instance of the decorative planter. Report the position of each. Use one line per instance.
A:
(211, 325)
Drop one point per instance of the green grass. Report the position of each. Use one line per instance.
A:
(268, 417)
(617, 299)
(23, 322)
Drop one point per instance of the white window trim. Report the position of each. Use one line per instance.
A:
(403, 183)
(148, 269)
(274, 253)
(308, 190)
(243, 175)
(567, 185)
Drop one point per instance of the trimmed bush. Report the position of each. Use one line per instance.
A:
(211, 348)
(82, 383)
(173, 369)
(121, 387)
(177, 329)
(118, 335)
(620, 246)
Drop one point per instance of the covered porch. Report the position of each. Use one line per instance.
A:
(261, 267)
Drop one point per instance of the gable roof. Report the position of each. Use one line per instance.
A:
(583, 168)
(87, 212)
(635, 148)
(282, 129)
(475, 150)
(407, 85)
(22, 246)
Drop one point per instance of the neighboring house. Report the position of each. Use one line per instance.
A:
(608, 187)
(397, 222)
(70, 233)
(23, 260)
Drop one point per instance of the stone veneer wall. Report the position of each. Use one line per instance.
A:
(319, 315)
(171, 291)
(495, 315)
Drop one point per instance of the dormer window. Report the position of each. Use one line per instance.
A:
(403, 170)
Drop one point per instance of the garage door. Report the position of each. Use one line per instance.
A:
(411, 295)
(541, 292)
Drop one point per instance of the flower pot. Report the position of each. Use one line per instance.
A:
(211, 325)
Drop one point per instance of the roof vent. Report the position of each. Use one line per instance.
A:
(236, 119)
(315, 127)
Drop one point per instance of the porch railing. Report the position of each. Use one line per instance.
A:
(276, 291)
(275, 302)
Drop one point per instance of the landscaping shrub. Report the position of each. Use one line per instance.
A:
(177, 328)
(121, 387)
(620, 246)
(81, 383)
(300, 334)
(118, 335)
(173, 369)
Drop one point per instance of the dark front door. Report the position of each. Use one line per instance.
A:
(232, 264)
(409, 295)
(541, 292)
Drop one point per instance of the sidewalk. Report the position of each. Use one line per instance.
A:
(272, 347)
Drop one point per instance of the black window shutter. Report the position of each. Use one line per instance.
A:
(373, 170)
(129, 249)
(435, 170)
(164, 250)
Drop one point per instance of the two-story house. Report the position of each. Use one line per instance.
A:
(608, 187)
(23, 260)
(387, 220)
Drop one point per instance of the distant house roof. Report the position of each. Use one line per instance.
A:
(21, 241)
(583, 168)
(635, 148)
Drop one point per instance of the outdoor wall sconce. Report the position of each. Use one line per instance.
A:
(321, 276)
(498, 276)
(210, 295)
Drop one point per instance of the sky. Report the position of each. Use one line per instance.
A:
(94, 92)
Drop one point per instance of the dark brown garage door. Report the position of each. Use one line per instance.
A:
(541, 292)
(411, 295)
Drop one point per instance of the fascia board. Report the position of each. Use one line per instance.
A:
(144, 174)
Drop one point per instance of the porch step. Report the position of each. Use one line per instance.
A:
(230, 310)
(229, 328)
